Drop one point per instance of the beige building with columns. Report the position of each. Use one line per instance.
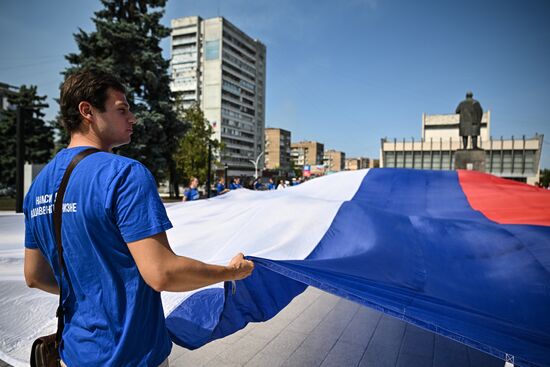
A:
(516, 158)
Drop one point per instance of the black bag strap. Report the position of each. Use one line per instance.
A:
(58, 208)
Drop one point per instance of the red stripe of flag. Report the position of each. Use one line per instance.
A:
(506, 201)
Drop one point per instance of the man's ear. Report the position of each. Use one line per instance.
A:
(85, 109)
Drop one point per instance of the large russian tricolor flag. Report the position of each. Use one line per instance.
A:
(461, 253)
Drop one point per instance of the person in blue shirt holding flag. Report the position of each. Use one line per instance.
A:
(236, 184)
(192, 193)
(220, 187)
(258, 184)
(115, 247)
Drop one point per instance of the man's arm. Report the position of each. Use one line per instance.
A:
(163, 270)
(38, 273)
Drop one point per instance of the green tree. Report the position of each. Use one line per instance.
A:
(126, 43)
(38, 135)
(192, 155)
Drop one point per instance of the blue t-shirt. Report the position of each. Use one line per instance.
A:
(220, 187)
(235, 186)
(113, 317)
(191, 194)
(271, 186)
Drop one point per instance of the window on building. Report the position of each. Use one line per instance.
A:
(212, 50)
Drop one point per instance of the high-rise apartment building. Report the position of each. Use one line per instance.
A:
(218, 66)
(334, 160)
(309, 153)
(277, 149)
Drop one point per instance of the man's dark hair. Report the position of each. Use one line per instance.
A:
(90, 86)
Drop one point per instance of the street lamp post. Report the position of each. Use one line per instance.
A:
(225, 168)
(209, 171)
(255, 163)
(19, 160)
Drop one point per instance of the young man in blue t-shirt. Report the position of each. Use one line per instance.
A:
(115, 248)
(192, 193)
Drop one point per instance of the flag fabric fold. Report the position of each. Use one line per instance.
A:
(426, 247)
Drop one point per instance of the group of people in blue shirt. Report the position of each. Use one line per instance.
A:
(192, 192)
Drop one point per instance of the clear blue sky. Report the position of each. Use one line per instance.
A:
(343, 73)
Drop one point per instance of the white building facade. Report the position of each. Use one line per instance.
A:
(222, 69)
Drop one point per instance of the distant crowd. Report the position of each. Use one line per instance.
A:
(192, 192)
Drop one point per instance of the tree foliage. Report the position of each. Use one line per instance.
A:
(38, 135)
(126, 43)
(192, 155)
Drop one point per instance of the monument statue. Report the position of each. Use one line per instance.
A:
(470, 119)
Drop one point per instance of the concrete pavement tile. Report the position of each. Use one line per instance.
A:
(188, 360)
(417, 342)
(217, 362)
(235, 337)
(448, 353)
(379, 355)
(361, 328)
(285, 343)
(178, 351)
(322, 342)
(368, 312)
(343, 354)
(347, 306)
(269, 329)
(305, 357)
(480, 359)
(314, 291)
(315, 347)
(342, 312)
(385, 344)
(201, 356)
(413, 360)
(335, 321)
(263, 359)
(313, 315)
(242, 351)
(299, 304)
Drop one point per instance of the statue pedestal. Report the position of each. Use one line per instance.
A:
(473, 160)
